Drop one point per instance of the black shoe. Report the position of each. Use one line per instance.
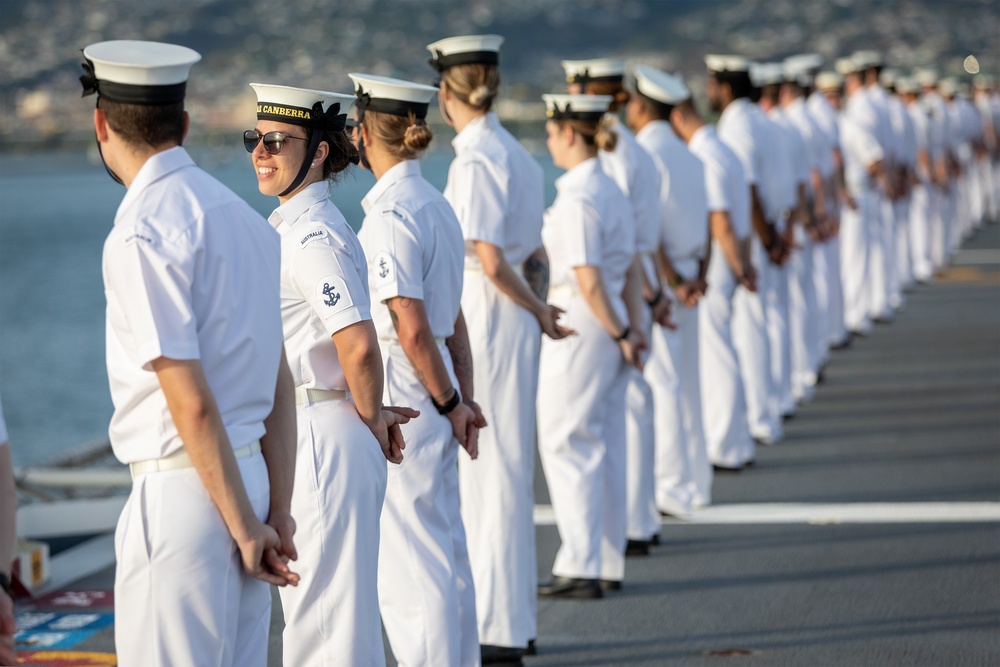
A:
(725, 469)
(569, 587)
(637, 548)
(611, 585)
(532, 649)
(655, 540)
(500, 655)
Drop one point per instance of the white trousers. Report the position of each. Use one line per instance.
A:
(776, 305)
(921, 210)
(855, 240)
(904, 265)
(332, 616)
(181, 595)
(821, 290)
(497, 489)
(723, 402)
(941, 228)
(581, 416)
(881, 259)
(640, 449)
(683, 472)
(425, 585)
(753, 348)
(835, 293)
(802, 318)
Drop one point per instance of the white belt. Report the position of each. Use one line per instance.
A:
(438, 340)
(561, 293)
(180, 459)
(478, 270)
(306, 396)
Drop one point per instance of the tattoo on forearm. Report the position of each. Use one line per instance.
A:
(536, 273)
(394, 318)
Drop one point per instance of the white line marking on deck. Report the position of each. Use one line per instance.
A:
(820, 514)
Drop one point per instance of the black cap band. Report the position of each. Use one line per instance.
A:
(127, 93)
(569, 114)
(394, 107)
(584, 78)
(441, 62)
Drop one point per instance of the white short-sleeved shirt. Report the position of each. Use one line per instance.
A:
(816, 143)
(414, 246)
(796, 145)
(590, 223)
(938, 129)
(739, 131)
(879, 100)
(779, 187)
(860, 151)
(324, 284)
(683, 210)
(921, 134)
(632, 169)
(902, 128)
(497, 191)
(725, 183)
(190, 272)
(826, 118)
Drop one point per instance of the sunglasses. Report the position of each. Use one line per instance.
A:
(273, 141)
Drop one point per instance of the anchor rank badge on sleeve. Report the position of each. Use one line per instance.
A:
(332, 291)
(383, 269)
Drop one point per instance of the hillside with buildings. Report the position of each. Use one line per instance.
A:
(316, 43)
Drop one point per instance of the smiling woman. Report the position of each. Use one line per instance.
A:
(318, 149)
(344, 435)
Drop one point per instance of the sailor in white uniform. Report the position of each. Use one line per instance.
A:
(496, 189)
(831, 168)
(683, 474)
(299, 146)
(204, 403)
(943, 160)
(781, 179)
(740, 128)
(727, 435)
(882, 256)
(589, 234)
(923, 191)
(414, 247)
(632, 169)
(860, 217)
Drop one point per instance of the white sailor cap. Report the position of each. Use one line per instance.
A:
(802, 68)
(132, 72)
(926, 76)
(302, 106)
(888, 77)
(577, 107)
(845, 66)
(907, 85)
(983, 81)
(465, 50)
(767, 74)
(392, 96)
(726, 63)
(596, 70)
(660, 86)
(948, 86)
(804, 62)
(828, 80)
(868, 58)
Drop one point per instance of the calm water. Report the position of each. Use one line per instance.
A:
(55, 211)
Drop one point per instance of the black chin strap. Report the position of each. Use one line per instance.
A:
(316, 136)
(362, 104)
